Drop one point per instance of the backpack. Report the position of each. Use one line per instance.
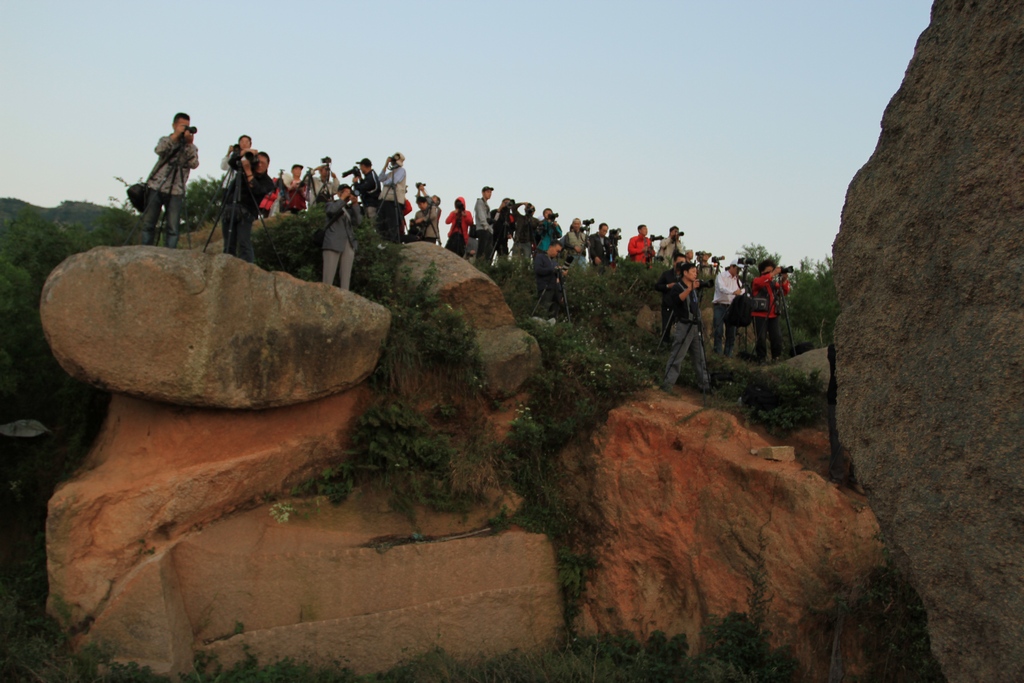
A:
(739, 311)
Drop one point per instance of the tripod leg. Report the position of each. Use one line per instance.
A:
(539, 299)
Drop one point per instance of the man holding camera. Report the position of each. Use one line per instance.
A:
(424, 225)
(705, 269)
(367, 186)
(339, 246)
(576, 243)
(685, 330)
(670, 246)
(639, 247)
(325, 182)
(504, 227)
(165, 188)
(392, 196)
(727, 288)
(549, 281)
(256, 185)
(549, 230)
(770, 284)
(526, 227)
(665, 285)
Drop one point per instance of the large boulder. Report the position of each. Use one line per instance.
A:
(193, 329)
(688, 518)
(158, 472)
(352, 583)
(929, 388)
(509, 355)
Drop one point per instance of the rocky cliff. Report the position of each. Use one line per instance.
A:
(928, 267)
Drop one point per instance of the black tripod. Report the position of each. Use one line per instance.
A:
(785, 312)
(559, 287)
(235, 190)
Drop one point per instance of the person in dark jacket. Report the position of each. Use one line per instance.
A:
(256, 185)
(668, 300)
(685, 329)
(367, 186)
(549, 280)
(339, 245)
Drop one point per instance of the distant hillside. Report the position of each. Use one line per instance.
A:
(84, 213)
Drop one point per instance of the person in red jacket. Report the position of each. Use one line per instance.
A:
(639, 247)
(458, 234)
(768, 285)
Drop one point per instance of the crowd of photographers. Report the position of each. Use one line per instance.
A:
(511, 229)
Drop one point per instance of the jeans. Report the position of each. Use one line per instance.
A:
(730, 331)
(155, 201)
(685, 337)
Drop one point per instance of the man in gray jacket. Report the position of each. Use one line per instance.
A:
(166, 185)
(340, 237)
(484, 230)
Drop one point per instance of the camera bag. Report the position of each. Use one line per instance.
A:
(137, 196)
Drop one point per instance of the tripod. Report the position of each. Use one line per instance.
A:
(235, 188)
(559, 287)
(789, 326)
(172, 178)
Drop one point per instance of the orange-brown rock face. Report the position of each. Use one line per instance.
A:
(686, 510)
(157, 472)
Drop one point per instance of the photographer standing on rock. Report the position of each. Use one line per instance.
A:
(526, 228)
(484, 231)
(685, 329)
(340, 244)
(367, 186)
(256, 185)
(424, 225)
(325, 182)
(639, 247)
(727, 288)
(771, 284)
(392, 198)
(599, 247)
(165, 188)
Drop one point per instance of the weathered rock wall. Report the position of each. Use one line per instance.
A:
(686, 512)
(928, 267)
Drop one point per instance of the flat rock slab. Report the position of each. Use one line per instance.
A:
(928, 266)
(199, 330)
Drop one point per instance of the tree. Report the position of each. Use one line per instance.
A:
(813, 304)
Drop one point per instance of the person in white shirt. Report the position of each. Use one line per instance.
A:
(727, 287)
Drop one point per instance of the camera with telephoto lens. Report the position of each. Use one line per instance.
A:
(326, 160)
(530, 210)
(786, 269)
(234, 161)
(615, 234)
(745, 261)
(706, 284)
(587, 223)
(352, 171)
(657, 237)
(553, 216)
(191, 129)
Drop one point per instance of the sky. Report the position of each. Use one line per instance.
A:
(739, 121)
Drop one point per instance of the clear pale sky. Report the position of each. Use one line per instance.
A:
(738, 121)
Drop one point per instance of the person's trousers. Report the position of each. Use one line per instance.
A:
(523, 249)
(484, 246)
(549, 299)
(685, 338)
(389, 221)
(719, 327)
(768, 327)
(340, 264)
(156, 200)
